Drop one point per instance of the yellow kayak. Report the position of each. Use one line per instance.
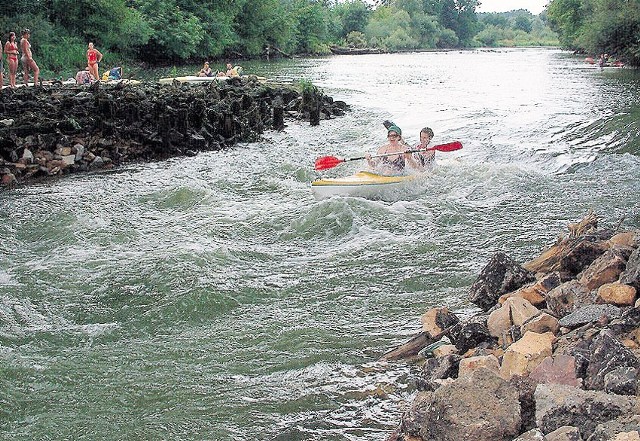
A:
(362, 184)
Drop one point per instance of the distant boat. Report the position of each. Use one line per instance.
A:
(342, 50)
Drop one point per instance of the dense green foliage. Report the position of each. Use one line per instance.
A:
(177, 31)
(599, 26)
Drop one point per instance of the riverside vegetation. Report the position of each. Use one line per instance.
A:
(132, 33)
(552, 356)
(59, 129)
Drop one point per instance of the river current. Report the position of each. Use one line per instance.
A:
(213, 298)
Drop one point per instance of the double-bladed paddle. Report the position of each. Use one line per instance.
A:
(326, 162)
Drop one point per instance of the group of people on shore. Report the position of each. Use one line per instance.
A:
(230, 72)
(417, 158)
(12, 50)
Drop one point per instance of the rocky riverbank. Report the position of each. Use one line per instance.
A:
(58, 129)
(552, 356)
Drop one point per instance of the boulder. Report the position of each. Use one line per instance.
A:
(616, 294)
(500, 276)
(479, 407)
(607, 354)
(437, 320)
(624, 428)
(559, 405)
(605, 269)
(540, 324)
(470, 364)
(590, 314)
(558, 369)
(524, 355)
(567, 297)
(631, 273)
(564, 433)
(436, 369)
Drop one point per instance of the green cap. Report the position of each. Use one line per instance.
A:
(394, 129)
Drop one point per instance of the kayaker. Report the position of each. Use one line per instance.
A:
(393, 164)
(423, 160)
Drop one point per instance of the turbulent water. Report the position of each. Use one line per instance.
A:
(213, 298)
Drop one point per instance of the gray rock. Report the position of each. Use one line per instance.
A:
(622, 381)
(607, 355)
(607, 431)
(479, 407)
(589, 314)
(559, 405)
(564, 433)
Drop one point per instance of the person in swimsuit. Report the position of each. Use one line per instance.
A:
(423, 160)
(11, 49)
(1, 67)
(393, 164)
(27, 59)
(93, 58)
(205, 71)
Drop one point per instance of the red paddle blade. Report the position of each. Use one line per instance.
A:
(449, 147)
(326, 162)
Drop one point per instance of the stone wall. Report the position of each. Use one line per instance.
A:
(59, 129)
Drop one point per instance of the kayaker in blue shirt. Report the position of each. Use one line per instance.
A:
(393, 164)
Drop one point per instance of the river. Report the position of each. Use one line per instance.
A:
(212, 298)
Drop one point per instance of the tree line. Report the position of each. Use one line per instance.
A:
(179, 31)
(598, 27)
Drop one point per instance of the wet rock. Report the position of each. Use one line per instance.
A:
(500, 276)
(471, 334)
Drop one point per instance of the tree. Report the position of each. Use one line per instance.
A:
(523, 23)
(354, 16)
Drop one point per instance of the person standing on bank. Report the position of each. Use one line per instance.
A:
(1, 67)
(28, 64)
(93, 58)
(11, 49)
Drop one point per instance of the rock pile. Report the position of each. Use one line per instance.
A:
(552, 356)
(58, 129)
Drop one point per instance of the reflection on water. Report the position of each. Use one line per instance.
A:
(214, 298)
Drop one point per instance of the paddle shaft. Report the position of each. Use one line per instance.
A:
(406, 152)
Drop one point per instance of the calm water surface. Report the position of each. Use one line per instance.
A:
(212, 298)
